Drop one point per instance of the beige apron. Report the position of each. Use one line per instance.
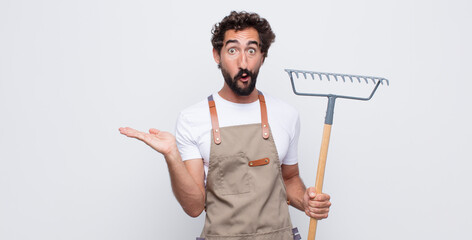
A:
(245, 191)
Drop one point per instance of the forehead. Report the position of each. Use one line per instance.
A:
(242, 36)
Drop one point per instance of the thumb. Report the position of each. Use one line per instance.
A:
(154, 131)
(311, 192)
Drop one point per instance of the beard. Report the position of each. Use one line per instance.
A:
(233, 82)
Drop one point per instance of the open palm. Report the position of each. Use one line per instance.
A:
(163, 142)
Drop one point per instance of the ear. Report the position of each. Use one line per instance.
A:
(216, 56)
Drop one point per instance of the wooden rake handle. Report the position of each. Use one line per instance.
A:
(322, 160)
(320, 174)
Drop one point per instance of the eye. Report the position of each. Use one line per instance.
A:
(251, 51)
(231, 51)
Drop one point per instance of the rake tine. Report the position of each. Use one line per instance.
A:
(327, 75)
(350, 77)
(319, 75)
(386, 80)
(304, 74)
(336, 77)
(312, 76)
(366, 82)
(342, 76)
(296, 73)
(373, 80)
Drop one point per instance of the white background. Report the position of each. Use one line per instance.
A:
(73, 72)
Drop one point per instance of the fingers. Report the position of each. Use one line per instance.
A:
(322, 197)
(315, 215)
(162, 142)
(130, 132)
(317, 210)
(126, 131)
(317, 204)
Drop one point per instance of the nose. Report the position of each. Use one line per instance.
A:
(243, 61)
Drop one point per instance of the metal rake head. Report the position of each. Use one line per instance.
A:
(336, 77)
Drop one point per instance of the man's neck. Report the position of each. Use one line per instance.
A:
(228, 94)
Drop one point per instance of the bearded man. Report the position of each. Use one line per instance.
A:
(235, 153)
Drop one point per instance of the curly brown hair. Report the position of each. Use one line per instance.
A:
(239, 21)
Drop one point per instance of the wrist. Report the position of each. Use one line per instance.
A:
(173, 154)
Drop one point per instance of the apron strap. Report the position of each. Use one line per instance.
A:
(214, 120)
(216, 126)
(264, 120)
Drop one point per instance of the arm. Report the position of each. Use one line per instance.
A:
(294, 185)
(302, 198)
(187, 178)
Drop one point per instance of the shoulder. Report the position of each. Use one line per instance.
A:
(192, 128)
(193, 122)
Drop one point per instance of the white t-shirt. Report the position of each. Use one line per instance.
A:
(193, 128)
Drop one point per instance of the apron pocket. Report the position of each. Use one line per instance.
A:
(233, 175)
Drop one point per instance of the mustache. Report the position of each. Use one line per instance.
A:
(243, 71)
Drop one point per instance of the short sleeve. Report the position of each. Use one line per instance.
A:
(292, 154)
(186, 143)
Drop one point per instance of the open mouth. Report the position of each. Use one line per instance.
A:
(245, 77)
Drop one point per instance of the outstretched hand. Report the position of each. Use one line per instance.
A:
(163, 142)
(316, 204)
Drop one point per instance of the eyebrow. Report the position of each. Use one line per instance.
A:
(236, 41)
(231, 41)
(253, 42)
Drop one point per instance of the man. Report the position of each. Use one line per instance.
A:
(238, 148)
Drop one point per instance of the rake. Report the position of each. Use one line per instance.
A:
(329, 117)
